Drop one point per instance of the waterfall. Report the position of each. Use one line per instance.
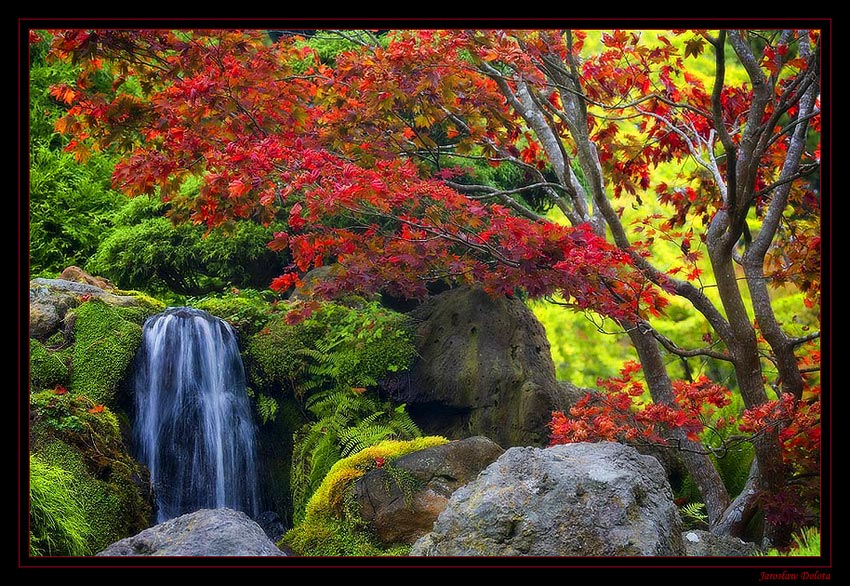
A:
(193, 427)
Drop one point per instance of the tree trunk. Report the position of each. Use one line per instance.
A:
(743, 347)
(697, 463)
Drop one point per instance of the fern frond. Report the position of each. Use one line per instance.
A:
(355, 439)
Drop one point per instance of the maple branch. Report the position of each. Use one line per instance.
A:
(674, 349)
(696, 151)
(574, 187)
(483, 247)
(717, 112)
(502, 196)
(570, 214)
(803, 339)
(790, 167)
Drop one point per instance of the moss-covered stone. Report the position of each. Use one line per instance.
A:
(83, 439)
(58, 523)
(48, 368)
(106, 340)
(114, 507)
(330, 525)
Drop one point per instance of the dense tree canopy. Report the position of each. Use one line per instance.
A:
(532, 162)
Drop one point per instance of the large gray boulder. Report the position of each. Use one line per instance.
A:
(703, 543)
(50, 300)
(484, 367)
(601, 499)
(208, 532)
(402, 504)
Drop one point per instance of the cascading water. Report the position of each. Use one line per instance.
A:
(193, 426)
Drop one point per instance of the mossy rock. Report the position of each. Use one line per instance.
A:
(330, 525)
(58, 522)
(83, 440)
(48, 368)
(106, 340)
(246, 311)
(112, 503)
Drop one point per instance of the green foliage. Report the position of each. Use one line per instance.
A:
(246, 310)
(347, 422)
(109, 492)
(339, 346)
(70, 209)
(582, 354)
(806, 544)
(274, 359)
(328, 362)
(329, 44)
(694, 515)
(70, 203)
(330, 525)
(106, 341)
(58, 524)
(147, 251)
(78, 419)
(267, 408)
(83, 438)
(48, 368)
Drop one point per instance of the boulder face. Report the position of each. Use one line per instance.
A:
(208, 532)
(484, 368)
(401, 504)
(601, 499)
(705, 543)
(50, 300)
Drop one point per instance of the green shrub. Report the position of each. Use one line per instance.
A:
(58, 524)
(149, 252)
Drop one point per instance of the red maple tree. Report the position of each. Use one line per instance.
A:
(374, 159)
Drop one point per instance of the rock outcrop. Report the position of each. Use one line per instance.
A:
(484, 368)
(601, 499)
(402, 504)
(704, 543)
(50, 300)
(208, 532)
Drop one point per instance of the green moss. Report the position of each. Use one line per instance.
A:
(48, 368)
(274, 359)
(247, 310)
(58, 523)
(330, 525)
(148, 305)
(106, 341)
(334, 537)
(111, 502)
